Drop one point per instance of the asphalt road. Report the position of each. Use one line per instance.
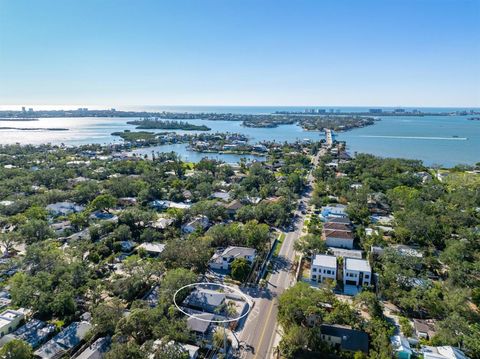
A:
(261, 327)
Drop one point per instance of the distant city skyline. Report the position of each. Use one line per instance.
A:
(119, 53)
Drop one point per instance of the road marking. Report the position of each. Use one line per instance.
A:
(264, 328)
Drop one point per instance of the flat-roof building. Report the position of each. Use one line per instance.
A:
(356, 272)
(10, 320)
(323, 267)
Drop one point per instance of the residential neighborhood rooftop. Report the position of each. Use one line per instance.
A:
(325, 261)
(205, 298)
(153, 247)
(360, 265)
(351, 339)
(338, 234)
(67, 339)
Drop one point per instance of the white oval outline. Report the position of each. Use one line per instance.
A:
(249, 302)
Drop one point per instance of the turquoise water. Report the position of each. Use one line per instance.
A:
(444, 140)
(192, 156)
(427, 138)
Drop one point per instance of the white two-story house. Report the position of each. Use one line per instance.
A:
(223, 259)
(323, 267)
(356, 272)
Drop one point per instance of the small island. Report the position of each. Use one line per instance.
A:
(155, 123)
(336, 123)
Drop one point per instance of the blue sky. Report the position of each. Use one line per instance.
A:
(240, 52)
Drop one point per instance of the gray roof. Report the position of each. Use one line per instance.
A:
(322, 260)
(360, 265)
(204, 299)
(222, 195)
(67, 339)
(350, 253)
(338, 220)
(237, 252)
(232, 252)
(153, 247)
(162, 223)
(64, 207)
(200, 326)
(34, 332)
(352, 340)
(234, 205)
(95, 350)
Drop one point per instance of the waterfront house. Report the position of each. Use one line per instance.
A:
(260, 148)
(356, 272)
(223, 259)
(338, 238)
(323, 267)
(65, 341)
(229, 147)
(344, 338)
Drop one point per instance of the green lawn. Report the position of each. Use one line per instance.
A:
(278, 246)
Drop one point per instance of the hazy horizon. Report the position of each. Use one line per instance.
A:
(68, 107)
